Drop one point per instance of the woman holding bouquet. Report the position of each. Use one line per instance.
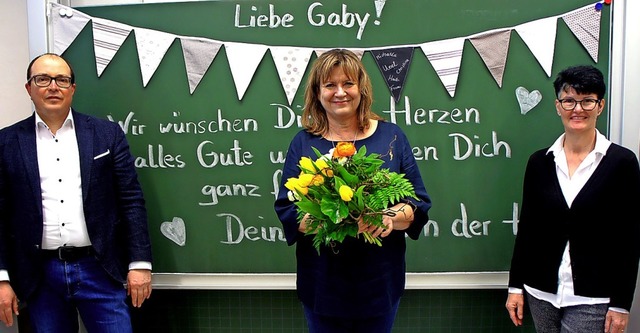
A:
(351, 285)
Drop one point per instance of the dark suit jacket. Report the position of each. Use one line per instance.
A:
(114, 206)
(602, 227)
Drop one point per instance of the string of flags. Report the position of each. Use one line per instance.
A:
(445, 56)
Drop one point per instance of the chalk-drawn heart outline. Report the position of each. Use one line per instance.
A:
(527, 100)
(175, 231)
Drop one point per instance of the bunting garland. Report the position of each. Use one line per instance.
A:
(394, 65)
(585, 25)
(198, 54)
(445, 57)
(493, 47)
(536, 35)
(291, 62)
(108, 36)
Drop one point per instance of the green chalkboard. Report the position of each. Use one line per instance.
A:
(212, 160)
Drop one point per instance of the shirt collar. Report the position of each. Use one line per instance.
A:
(602, 144)
(67, 122)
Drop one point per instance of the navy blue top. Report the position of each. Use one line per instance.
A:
(355, 278)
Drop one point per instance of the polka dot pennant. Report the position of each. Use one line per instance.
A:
(291, 63)
(585, 25)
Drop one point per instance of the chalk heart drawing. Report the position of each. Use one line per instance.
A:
(527, 100)
(175, 231)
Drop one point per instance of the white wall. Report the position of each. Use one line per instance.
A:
(15, 58)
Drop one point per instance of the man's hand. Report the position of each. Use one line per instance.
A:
(139, 286)
(8, 303)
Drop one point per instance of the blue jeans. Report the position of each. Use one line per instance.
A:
(571, 319)
(77, 287)
(324, 324)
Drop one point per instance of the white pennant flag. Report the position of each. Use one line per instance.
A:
(152, 46)
(291, 62)
(585, 25)
(198, 55)
(540, 37)
(108, 36)
(66, 24)
(243, 61)
(493, 47)
(445, 56)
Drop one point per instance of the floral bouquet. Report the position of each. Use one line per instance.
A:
(343, 187)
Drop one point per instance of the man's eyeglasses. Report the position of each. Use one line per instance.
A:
(42, 80)
(587, 104)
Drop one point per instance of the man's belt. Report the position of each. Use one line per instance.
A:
(69, 253)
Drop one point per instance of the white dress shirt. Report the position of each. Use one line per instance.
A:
(59, 165)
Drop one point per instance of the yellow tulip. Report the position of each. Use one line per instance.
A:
(294, 184)
(346, 193)
(307, 164)
(291, 184)
(321, 163)
(305, 179)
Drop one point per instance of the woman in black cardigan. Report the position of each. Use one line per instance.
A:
(575, 258)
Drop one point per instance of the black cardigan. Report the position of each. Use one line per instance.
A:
(602, 225)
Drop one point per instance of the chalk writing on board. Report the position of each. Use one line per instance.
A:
(237, 231)
(212, 154)
(213, 192)
(317, 15)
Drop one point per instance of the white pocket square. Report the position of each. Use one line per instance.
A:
(102, 155)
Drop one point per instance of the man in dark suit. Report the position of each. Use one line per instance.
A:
(73, 223)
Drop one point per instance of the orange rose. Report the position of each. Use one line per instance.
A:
(344, 149)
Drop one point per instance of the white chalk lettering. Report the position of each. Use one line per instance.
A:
(128, 126)
(421, 116)
(462, 227)
(425, 153)
(461, 141)
(514, 219)
(236, 157)
(159, 159)
(431, 225)
(344, 18)
(286, 117)
(221, 124)
(277, 175)
(213, 192)
(240, 232)
(277, 157)
(272, 20)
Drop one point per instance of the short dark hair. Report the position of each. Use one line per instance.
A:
(73, 76)
(585, 79)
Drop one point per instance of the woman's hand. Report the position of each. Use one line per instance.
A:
(615, 322)
(375, 231)
(515, 307)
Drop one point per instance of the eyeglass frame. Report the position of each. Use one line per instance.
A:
(576, 102)
(51, 79)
